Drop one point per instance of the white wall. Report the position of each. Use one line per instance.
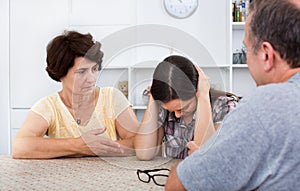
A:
(4, 77)
(208, 24)
(28, 25)
(32, 25)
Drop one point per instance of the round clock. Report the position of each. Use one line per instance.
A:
(180, 9)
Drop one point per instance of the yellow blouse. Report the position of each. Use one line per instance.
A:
(61, 124)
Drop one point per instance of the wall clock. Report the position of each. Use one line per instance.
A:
(180, 9)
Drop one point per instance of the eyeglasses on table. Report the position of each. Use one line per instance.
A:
(159, 176)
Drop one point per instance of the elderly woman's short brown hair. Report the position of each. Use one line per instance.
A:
(63, 49)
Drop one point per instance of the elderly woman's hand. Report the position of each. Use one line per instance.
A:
(93, 144)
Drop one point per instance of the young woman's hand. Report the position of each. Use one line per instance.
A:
(203, 124)
(203, 84)
(192, 146)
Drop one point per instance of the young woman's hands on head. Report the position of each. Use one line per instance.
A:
(203, 84)
(204, 124)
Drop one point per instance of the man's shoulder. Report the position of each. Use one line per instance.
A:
(269, 93)
(263, 102)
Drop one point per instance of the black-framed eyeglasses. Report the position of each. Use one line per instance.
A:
(159, 179)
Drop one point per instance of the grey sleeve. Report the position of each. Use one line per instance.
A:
(230, 158)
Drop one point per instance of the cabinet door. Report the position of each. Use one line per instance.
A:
(4, 76)
(32, 25)
(242, 82)
(18, 117)
(141, 78)
(218, 77)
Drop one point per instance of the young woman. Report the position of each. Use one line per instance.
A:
(179, 112)
(80, 119)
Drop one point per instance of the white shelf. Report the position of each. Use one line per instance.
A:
(217, 66)
(146, 65)
(139, 107)
(241, 82)
(153, 67)
(114, 67)
(238, 25)
(143, 67)
(239, 66)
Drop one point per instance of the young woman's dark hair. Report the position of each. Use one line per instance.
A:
(62, 51)
(174, 78)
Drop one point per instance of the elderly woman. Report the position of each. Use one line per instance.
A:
(80, 119)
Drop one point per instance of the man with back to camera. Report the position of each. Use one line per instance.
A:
(257, 147)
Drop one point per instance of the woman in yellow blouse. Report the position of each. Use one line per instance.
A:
(81, 119)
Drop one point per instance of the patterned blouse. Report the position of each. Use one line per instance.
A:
(177, 134)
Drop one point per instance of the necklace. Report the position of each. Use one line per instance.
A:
(75, 109)
(78, 121)
(84, 102)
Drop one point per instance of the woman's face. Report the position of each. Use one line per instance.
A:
(82, 77)
(181, 108)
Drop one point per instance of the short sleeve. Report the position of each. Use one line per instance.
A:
(119, 101)
(44, 108)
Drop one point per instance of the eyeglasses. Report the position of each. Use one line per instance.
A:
(159, 179)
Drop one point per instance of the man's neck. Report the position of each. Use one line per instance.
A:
(288, 74)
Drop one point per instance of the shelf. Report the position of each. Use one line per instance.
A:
(146, 65)
(142, 107)
(216, 66)
(238, 25)
(143, 67)
(153, 67)
(114, 67)
(241, 82)
(239, 66)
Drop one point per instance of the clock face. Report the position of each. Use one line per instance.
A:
(180, 8)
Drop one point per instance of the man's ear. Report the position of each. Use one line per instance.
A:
(267, 56)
